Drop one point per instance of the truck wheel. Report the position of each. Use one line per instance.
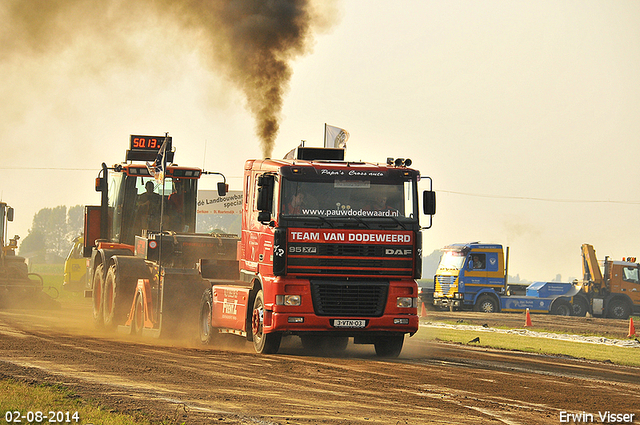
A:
(389, 346)
(580, 307)
(116, 302)
(618, 309)
(486, 304)
(561, 308)
(138, 315)
(96, 297)
(263, 343)
(204, 324)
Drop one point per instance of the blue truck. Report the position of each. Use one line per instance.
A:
(474, 276)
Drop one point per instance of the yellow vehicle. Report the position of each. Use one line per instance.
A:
(75, 268)
(613, 291)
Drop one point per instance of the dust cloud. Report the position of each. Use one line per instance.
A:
(251, 43)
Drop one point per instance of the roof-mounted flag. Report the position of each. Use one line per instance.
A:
(335, 137)
(156, 169)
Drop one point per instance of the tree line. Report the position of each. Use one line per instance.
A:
(52, 233)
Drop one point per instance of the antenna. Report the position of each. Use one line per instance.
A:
(204, 157)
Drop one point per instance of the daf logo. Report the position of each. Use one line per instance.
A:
(391, 251)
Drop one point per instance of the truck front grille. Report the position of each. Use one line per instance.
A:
(349, 299)
(443, 283)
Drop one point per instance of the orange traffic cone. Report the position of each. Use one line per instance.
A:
(423, 312)
(632, 329)
(527, 321)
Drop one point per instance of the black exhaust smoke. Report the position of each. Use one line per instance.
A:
(251, 41)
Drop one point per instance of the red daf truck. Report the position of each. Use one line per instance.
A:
(329, 250)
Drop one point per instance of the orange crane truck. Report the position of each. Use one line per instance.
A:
(613, 291)
(329, 250)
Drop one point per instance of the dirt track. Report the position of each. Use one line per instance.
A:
(429, 383)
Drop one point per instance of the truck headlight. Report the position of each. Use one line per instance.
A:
(458, 295)
(406, 302)
(288, 299)
(437, 294)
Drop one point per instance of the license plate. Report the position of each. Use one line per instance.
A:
(341, 323)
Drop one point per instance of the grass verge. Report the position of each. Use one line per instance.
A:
(56, 404)
(580, 350)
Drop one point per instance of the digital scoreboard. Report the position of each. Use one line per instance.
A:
(146, 148)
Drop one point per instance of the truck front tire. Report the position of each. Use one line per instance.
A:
(618, 309)
(486, 304)
(263, 343)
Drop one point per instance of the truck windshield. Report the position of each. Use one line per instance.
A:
(174, 201)
(349, 198)
(452, 260)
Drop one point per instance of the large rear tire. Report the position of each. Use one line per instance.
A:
(263, 343)
(96, 296)
(117, 296)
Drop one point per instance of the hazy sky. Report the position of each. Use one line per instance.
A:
(524, 113)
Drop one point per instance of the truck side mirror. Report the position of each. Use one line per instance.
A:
(429, 202)
(101, 180)
(10, 214)
(222, 189)
(264, 201)
(99, 184)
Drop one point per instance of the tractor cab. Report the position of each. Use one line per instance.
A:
(141, 197)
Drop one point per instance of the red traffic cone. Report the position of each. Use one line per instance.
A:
(527, 321)
(632, 329)
(423, 312)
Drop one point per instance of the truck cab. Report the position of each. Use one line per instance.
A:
(331, 250)
(466, 272)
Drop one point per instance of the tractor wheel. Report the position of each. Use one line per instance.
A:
(96, 297)
(204, 325)
(137, 324)
(263, 343)
(561, 308)
(486, 304)
(618, 309)
(390, 346)
(117, 298)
